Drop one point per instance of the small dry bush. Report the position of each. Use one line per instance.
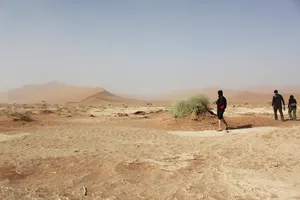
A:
(21, 117)
(198, 104)
(47, 111)
(122, 115)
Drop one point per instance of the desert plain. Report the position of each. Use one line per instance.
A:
(109, 150)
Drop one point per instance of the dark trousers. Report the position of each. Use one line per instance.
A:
(292, 113)
(280, 111)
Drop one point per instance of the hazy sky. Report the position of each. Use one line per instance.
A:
(148, 46)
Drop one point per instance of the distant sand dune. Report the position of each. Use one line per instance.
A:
(50, 92)
(107, 97)
(59, 93)
(251, 97)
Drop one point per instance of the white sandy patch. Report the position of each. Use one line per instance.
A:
(169, 163)
(128, 110)
(252, 111)
(245, 181)
(4, 137)
(236, 111)
(214, 133)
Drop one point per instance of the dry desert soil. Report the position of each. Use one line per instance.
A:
(116, 153)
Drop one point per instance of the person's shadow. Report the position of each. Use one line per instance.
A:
(291, 120)
(241, 127)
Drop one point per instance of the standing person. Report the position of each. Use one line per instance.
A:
(277, 103)
(292, 107)
(221, 106)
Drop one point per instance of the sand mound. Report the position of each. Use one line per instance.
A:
(107, 97)
(52, 92)
(101, 96)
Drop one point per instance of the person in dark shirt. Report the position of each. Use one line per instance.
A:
(292, 106)
(277, 103)
(221, 107)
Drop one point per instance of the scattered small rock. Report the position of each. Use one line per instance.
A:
(91, 115)
(28, 112)
(157, 111)
(274, 196)
(122, 115)
(274, 165)
(85, 191)
(139, 113)
(47, 112)
(68, 115)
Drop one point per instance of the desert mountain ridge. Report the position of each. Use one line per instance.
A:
(60, 93)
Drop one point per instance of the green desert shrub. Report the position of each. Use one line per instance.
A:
(180, 109)
(198, 104)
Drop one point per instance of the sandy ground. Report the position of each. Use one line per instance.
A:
(92, 153)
